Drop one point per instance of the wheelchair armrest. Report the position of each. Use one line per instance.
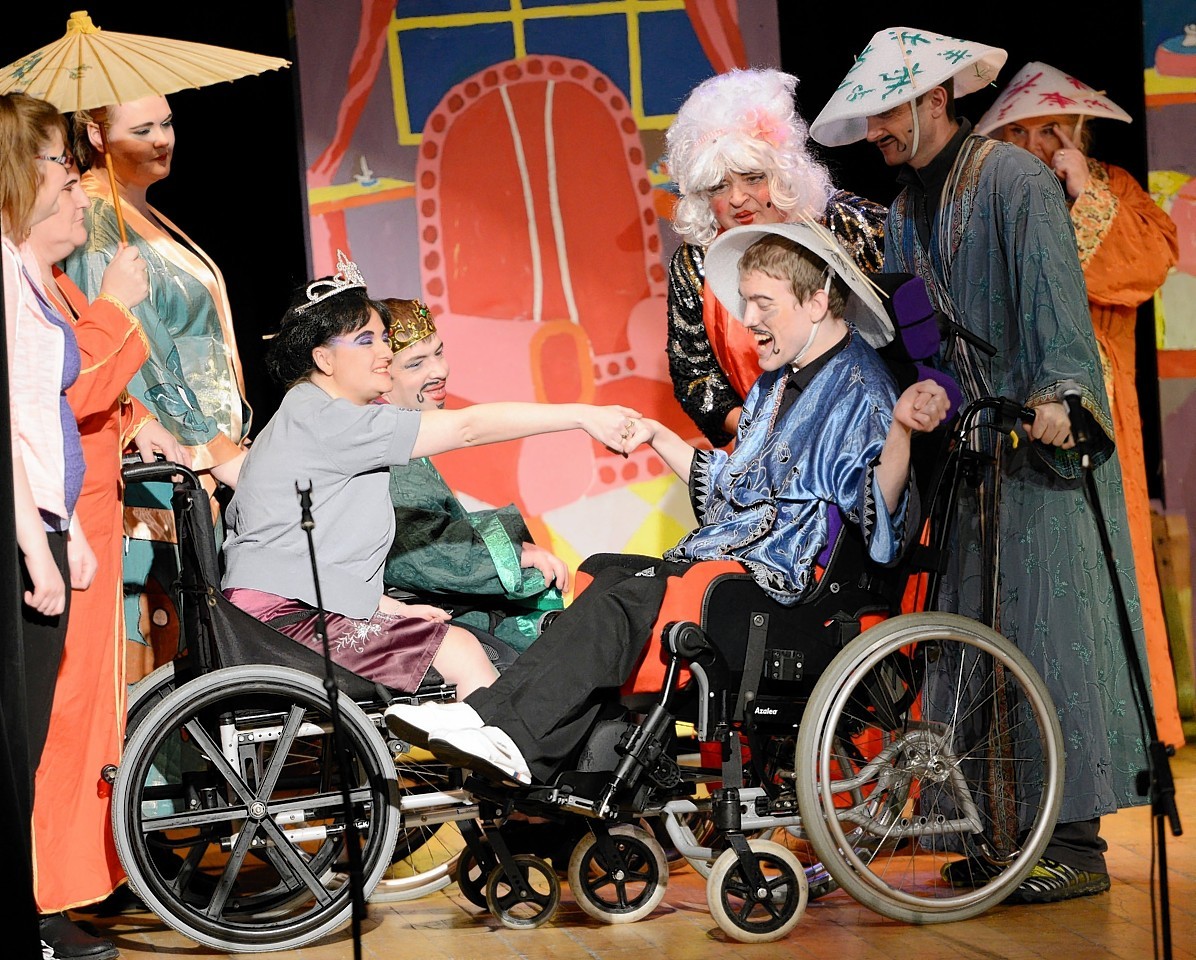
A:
(685, 640)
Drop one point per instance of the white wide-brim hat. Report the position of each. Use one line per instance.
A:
(1040, 90)
(898, 65)
(864, 308)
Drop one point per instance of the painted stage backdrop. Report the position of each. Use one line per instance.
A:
(1170, 58)
(500, 159)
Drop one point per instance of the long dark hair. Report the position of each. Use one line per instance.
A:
(308, 325)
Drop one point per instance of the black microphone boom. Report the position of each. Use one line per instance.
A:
(340, 740)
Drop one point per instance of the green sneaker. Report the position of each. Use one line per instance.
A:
(970, 872)
(1051, 881)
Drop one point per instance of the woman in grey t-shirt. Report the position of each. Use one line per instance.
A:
(333, 354)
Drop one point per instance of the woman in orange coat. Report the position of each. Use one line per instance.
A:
(1126, 244)
(75, 861)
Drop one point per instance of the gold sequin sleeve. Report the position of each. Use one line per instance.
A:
(859, 225)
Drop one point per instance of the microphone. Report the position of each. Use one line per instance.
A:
(306, 521)
(1070, 395)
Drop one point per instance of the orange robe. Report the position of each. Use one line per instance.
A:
(74, 858)
(1127, 244)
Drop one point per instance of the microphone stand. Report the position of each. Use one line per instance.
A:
(1155, 782)
(352, 838)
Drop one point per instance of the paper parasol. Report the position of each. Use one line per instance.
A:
(89, 67)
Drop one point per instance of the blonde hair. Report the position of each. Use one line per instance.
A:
(743, 121)
(805, 272)
(26, 125)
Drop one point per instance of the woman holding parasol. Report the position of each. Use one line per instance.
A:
(192, 380)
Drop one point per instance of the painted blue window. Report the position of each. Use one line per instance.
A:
(441, 8)
(672, 58)
(601, 41)
(434, 60)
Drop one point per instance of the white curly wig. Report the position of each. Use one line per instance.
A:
(742, 121)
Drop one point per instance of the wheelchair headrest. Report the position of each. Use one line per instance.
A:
(919, 333)
(915, 319)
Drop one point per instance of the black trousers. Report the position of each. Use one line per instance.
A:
(1080, 845)
(548, 700)
(43, 638)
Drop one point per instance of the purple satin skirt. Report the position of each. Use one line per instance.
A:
(393, 650)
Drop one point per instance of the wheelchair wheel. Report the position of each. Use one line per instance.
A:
(425, 855)
(621, 892)
(928, 737)
(518, 911)
(147, 692)
(243, 846)
(757, 914)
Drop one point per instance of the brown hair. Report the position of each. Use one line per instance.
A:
(410, 321)
(26, 124)
(85, 153)
(782, 259)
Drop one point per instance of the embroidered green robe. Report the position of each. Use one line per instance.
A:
(465, 561)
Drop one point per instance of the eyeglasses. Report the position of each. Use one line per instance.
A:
(63, 160)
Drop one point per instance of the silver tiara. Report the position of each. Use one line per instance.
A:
(347, 277)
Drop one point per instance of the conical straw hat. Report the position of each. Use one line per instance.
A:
(898, 65)
(1040, 90)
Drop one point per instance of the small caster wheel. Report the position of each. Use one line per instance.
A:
(531, 907)
(757, 914)
(622, 892)
(471, 876)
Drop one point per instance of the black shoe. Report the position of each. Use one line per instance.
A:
(970, 872)
(67, 941)
(120, 901)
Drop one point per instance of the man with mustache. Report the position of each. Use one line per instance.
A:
(986, 225)
(482, 565)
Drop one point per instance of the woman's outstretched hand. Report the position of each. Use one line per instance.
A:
(610, 426)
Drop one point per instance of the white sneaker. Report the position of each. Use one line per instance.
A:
(488, 752)
(414, 721)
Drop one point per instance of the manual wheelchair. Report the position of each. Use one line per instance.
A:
(228, 806)
(872, 757)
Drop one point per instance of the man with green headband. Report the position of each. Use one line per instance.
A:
(986, 226)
